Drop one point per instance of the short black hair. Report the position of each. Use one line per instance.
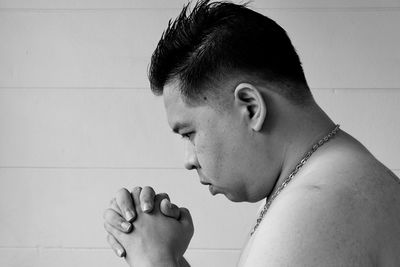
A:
(220, 38)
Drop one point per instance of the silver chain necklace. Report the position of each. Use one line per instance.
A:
(293, 173)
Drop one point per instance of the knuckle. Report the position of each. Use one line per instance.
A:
(110, 229)
(136, 192)
(110, 240)
(124, 200)
(107, 215)
(114, 245)
(148, 189)
(105, 225)
(122, 191)
(163, 195)
(176, 212)
(147, 197)
(136, 189)
(184, 210)
(115, 207)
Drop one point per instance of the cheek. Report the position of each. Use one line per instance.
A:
(210, 155)
(216, 156)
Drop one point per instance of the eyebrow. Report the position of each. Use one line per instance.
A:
(179, 126)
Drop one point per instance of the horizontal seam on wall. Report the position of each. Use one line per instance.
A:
(106, 168)
(91, 168)
(147, 88)
(124, 9)
(104, 248)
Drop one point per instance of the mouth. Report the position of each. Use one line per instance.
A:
(202, 178)
(210, 187)
(213, 190)
(204, 183)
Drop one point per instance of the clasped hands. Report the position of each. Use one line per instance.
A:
(147, 229)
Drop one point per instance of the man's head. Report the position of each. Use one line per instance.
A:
(215, 41)
(226, 73)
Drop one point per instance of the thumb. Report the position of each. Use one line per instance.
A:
(169, 209)
(186, 218)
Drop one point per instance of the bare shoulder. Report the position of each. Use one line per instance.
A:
(346, 212)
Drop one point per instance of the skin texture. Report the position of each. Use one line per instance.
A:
(115, 220)
(342, 208)
(158, 240)
(221, 145)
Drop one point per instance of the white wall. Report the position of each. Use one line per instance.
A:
(77, 120)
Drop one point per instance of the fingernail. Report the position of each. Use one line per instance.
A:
(120, 252)
(126, 226)
(129, 215)
(146, 207)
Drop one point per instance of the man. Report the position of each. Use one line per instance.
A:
(234, 88)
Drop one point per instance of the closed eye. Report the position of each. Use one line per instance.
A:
(187, 135)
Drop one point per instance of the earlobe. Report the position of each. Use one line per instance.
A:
(249, 98)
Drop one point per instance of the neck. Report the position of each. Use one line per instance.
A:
(305, 133)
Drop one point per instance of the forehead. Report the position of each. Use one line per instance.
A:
(177, 110)
(180, 112)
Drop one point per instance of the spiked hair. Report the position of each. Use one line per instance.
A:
(216, 39)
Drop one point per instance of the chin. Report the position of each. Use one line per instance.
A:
(234, 198)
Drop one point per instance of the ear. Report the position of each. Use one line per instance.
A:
(249, 99)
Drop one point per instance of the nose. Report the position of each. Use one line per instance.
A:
(190, 161)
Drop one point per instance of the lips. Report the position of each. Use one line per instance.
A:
(202, 178)
(212, 190)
